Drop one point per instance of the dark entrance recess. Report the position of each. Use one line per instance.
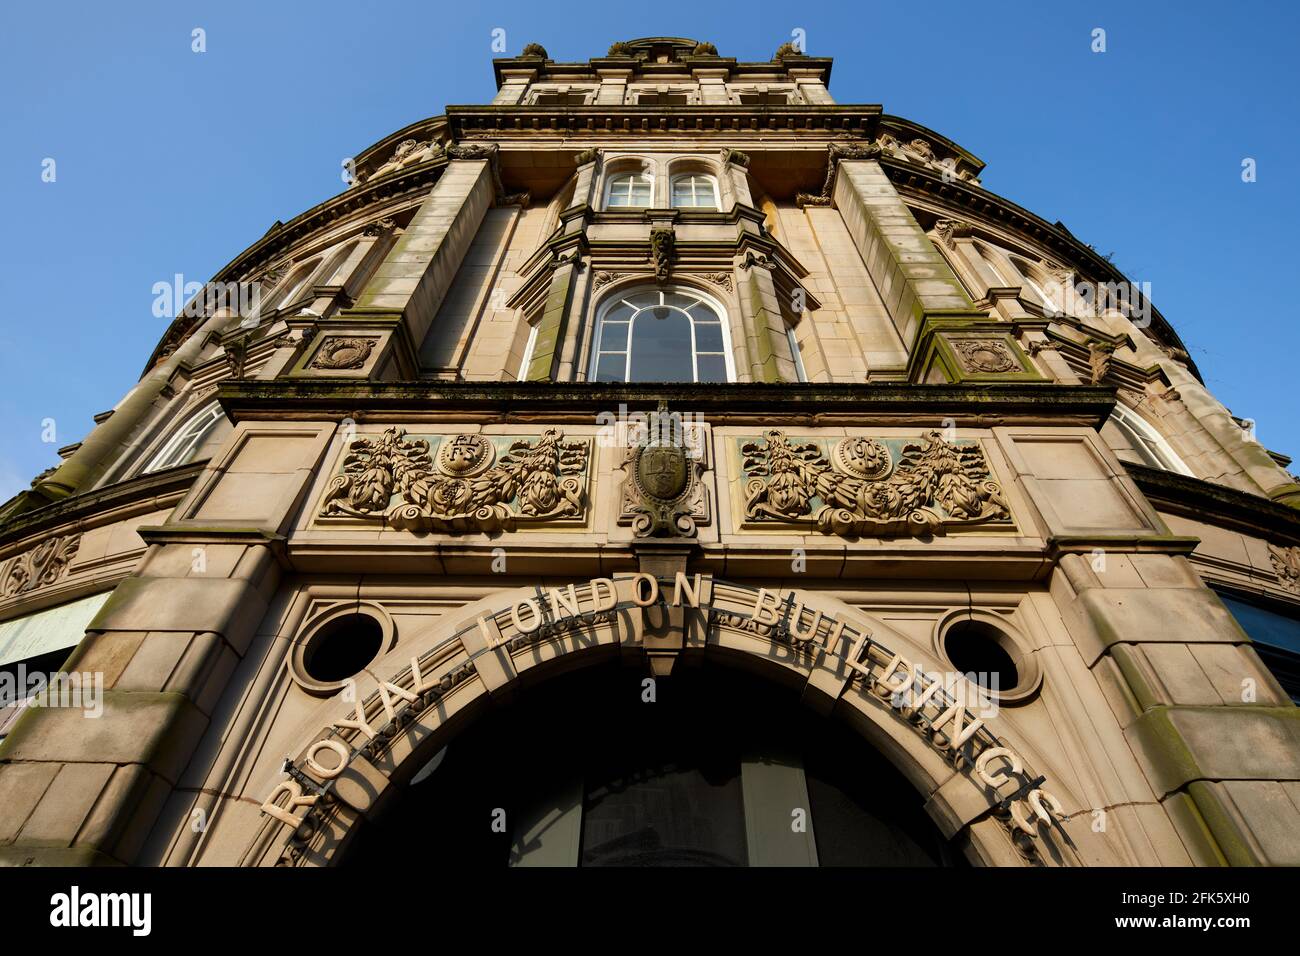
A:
(716, 766)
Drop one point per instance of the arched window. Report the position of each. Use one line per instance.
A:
(695, 191)
(654, 335)
(184, 445)
(630, 191)
(1147, 445)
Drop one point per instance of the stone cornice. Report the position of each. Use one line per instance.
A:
(1220, 506)
(683, 67)
(756, 403)
(100, 506)
(624, 120)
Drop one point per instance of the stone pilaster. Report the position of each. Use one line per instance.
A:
(85, 788)
(911, 275)
(394, 311)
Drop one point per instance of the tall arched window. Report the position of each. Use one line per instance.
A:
(1147, 445)
(695, 191)
(658, 335)
(185, 444)
(630, 191)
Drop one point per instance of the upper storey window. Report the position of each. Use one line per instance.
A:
(562, 96)
(630, 190)
(198, 430)
(662, 95)
(763, 95)
(695, 191)
(1144, 443)
(655, 335)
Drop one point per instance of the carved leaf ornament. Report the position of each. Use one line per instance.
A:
(867, 486)
(467, 488)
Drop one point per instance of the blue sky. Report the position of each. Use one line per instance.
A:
(170, 161)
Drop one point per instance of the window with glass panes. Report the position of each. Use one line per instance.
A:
(661, 336)
(694, 191)
(630, 189)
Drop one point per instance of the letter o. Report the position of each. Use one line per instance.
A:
(636, 589)
(532, 606)
(332, 745)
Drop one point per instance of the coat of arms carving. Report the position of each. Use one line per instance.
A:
(471, 483)
(663, 493)
(860, 486)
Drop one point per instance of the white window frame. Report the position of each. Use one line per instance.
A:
(620, 299)
(528, 352)
(187, 439)
(618, 177)
(1146, 442)
(713, 183)
(794, 350)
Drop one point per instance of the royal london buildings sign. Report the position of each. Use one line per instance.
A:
(942, 709)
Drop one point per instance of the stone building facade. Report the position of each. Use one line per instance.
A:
(662, 371)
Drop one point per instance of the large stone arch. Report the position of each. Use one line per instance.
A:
(356, 752)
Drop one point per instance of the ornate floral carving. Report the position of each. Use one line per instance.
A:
(378, 228)
(987, 356)
(918, 487)
(603, 279)
(343, 352)
(469, 487)
(720, 278)
(409, 152)
(473, 151)
(1286, 564)
(662, 250)
(834, 153)
(950, 230)
(41, 566)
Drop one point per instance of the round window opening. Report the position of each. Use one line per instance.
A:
(980, 650)
(342, 648)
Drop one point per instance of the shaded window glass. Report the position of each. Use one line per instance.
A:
(661, 346)
(630, 190)
(670, 337)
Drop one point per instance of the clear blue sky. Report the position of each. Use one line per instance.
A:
(171, 161)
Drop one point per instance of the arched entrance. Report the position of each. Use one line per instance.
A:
(708, 767)
(970, 773)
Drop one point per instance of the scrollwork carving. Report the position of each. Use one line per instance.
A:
(468, 487)
(987, 356)
(864, 486)
(1286, 565)
(343, 352)
(41, 566)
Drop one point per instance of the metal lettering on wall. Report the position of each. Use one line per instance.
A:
(936, 708)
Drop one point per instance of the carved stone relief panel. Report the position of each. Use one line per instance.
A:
(663, 492)
(984, 356)
(462, 483)
(41, 566)
(856, 486)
